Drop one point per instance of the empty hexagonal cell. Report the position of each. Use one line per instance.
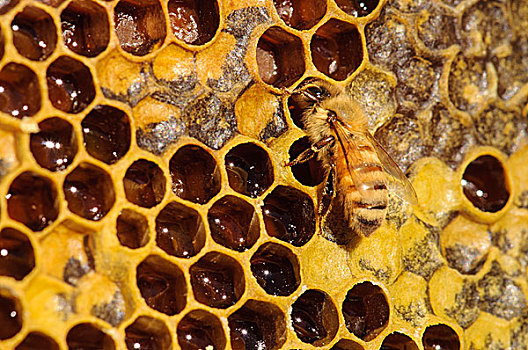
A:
(366, 311)
(234, 223)
(38, 341)
(180, 230)
(280, 57)
(484, 184)
(300, 14)
(194, 21)
(70, 85)
(200, 330)
(88, 336)
(357, 8)
(19, 91)
(336, 49)
(310, 173)
(440, 337)
(249, 169)
(257, 325)
(346, 344)
(162, 285)
(89, 191)
(132, 229)
(10, 315)
(147, 333)
(32, 200)
(289, 215)
(276, 269)
(217, 280)
(85, 27)
(106, 132)
(314, 318)
(139, 25)
(34, 33)
(55, 145)
(17, 258)
(144, 183)
(195, 175)
(398, 341)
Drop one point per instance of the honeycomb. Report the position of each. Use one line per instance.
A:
(145, 202)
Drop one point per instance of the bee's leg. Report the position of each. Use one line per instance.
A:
(312, 151)
(328, 194)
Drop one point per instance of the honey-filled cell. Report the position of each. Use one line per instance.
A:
(147, 333)
(398, 341)
(88, 336)
(194, 21)
(440, 337)
(34, 33)
(132, 229)
(200, 329)
(10, 315)
(17, 258)
(38, 341)
(300, 14)
(144, 183)
(19, 91)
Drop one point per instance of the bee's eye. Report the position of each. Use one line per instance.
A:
(315, 93)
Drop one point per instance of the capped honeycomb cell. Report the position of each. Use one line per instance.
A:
(310, 173)
(37, 340)
(366, 311)
(144, 183)
(289, 215)
(234, 223)
(89, 192)
(132, 229)
(180, 230)
(34, 33)
(357, 8)
(257, 324)
(398, 341)
(200, 329)
(85, 27)
(139, 25)
(32, 200)
(55, 145)
(194, 21)
(88, 336)
(19, 91)
(346, 344)
(70, 85)
(147, 333)
(276, 269)
(336, 49)
(217, 280)
(162, 285)
(440, 337)
(17, 257)
(300, 14)
(195, 174)
(314, 318)
(106, 132)
(280, 57)
(10, 315)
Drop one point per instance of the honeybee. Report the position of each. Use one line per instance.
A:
(359, 172)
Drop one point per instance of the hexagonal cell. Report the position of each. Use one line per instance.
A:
(89, 192)
(276, 269)
(147, 333)
(398, 341)
(357, 8)
(310, 173)
(144, 183)
(280, 57)
(484, 184)
(314, 318)
(200, 329)
(70, 85)
(256, 325)
(106, 132)
(38, 341)
(439, 30)
(132, 229)
(17, 258)
(195, 174)
(234, 223)
(85, 27)
(440, 337)
(217, 280)
(299, 14)
(194, 21)
(19, 91)
(88, 336)
(289, 215)
(366, 311)
(34, 33)
(55, 145)
(139, 25)
(336, 49)
(162, 285)
(10, 315)
(180, 230)
(346, 344)
(249, 169)
(32, 200)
